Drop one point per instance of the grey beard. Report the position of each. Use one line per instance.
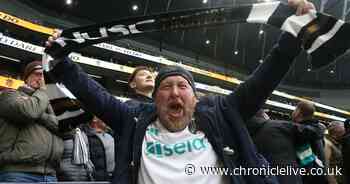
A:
(175, 126)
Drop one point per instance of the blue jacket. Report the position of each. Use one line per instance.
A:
(221, 118)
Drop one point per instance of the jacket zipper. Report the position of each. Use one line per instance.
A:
(13, 145)
(132, 163)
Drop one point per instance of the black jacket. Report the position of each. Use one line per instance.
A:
(276, 140)
(221, 118)
(346, 157)
(98, 146)
(136, 99)
(317, 147)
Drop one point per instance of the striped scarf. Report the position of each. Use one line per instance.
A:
(323, 37)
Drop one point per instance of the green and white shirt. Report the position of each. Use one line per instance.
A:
(165, 156)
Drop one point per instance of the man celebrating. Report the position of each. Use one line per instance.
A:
(158, 142)
(29, 148)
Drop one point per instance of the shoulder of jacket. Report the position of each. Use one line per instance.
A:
(12, 94)
(283, 122)
(8, 91)
(20, 96)
(209, 100)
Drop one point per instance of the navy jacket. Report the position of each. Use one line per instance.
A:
(136, 99)
(221, 118)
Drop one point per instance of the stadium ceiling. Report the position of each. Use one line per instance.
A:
(240, 46)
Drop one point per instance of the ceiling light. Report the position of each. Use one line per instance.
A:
(205, 1)
(9, 58)
(236, 52)
(207, 42)
(121, 81)
(69, 2)
(95, 76)
(135, 7)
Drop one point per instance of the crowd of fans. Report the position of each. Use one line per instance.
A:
(164, 126)
(32, 143)
(85, 152)
(82, 151)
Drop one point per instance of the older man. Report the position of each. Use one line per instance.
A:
(180, 137)
(29, 147)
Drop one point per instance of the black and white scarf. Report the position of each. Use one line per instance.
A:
(323, 36)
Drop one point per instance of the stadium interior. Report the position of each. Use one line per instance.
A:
(219, 57)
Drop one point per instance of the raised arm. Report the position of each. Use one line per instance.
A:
(251, 94)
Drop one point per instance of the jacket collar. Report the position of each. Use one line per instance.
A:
(141, 98)
(26, 89)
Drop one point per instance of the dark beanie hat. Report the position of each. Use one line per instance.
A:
(31, 67)
(168, 71)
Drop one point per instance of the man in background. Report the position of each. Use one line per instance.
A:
(310, 153)
(30, 149)
(101, 148)
(141, 85)
(333, 155)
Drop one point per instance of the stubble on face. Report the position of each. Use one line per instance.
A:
(35, 80)
(176, 102)
(174, 124)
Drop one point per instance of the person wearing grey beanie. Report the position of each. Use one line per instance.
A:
(172, 71)
(175, 95)
(178, 127)
(173, 139)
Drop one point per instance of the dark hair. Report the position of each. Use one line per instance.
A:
(347, 125)
(136, 70)
(307, 109)
(134, 73)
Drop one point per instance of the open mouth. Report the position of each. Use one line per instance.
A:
(175, 110)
